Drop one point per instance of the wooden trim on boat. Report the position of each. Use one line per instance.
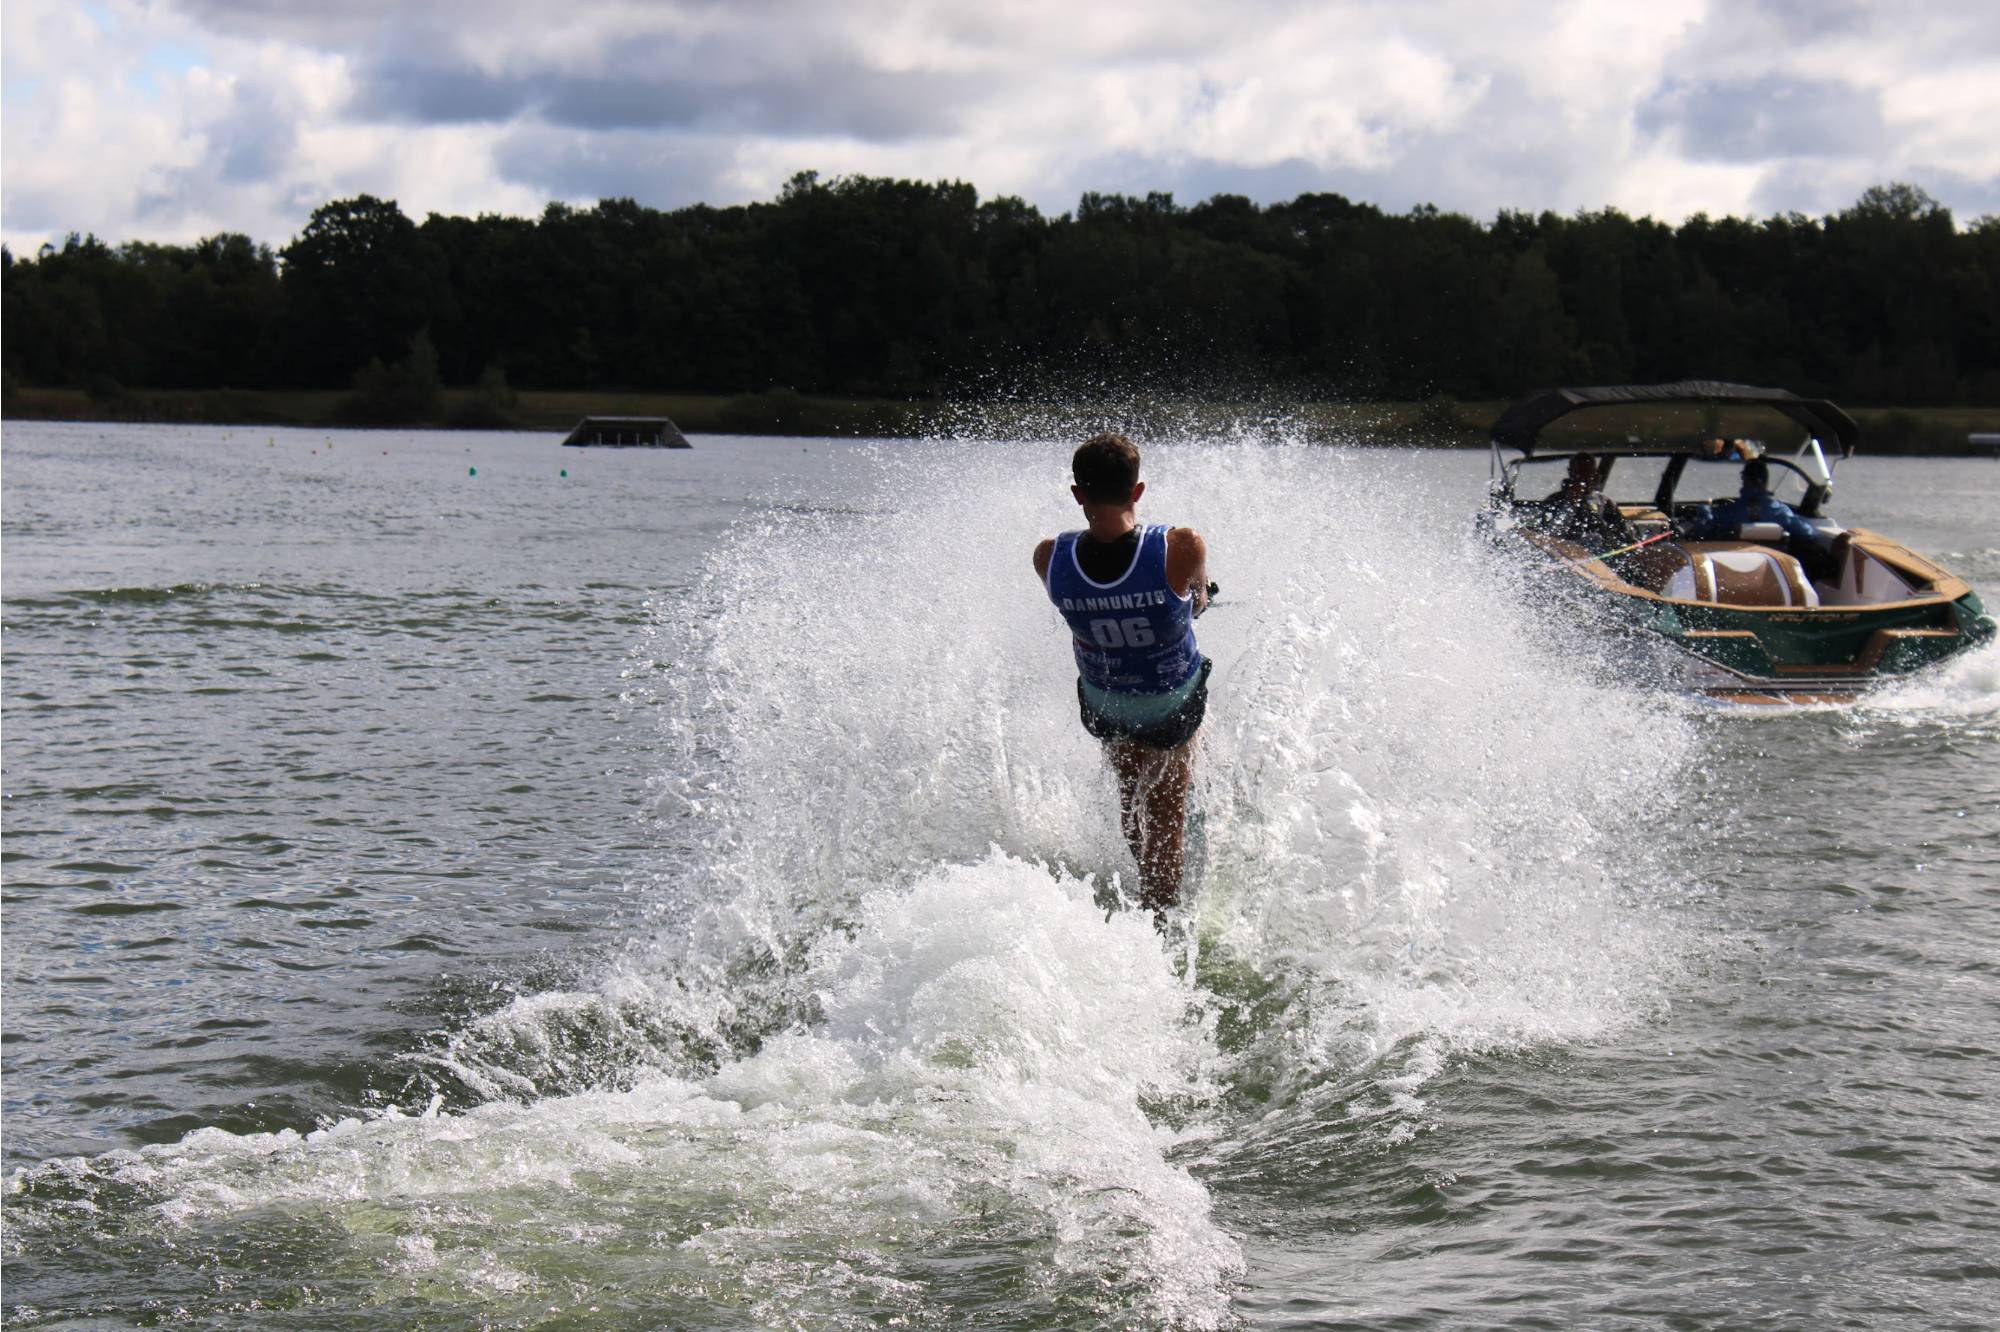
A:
(1776, 697)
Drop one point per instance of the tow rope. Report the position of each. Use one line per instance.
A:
(1622, 550)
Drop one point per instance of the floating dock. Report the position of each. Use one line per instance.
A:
(626, 432)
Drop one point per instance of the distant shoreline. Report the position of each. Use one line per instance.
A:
(1437, 423)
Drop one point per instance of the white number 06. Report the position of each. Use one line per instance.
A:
(1135, 632)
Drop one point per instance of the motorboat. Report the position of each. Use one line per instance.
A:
(1800, 611)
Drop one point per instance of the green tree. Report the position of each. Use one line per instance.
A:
(360, 281)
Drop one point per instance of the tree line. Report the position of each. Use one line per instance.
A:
(869, 287)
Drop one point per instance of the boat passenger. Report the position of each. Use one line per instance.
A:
(1728, 450)
(1819, 551)
(1756, 504)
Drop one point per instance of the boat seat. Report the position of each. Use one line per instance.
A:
(1740, 573)
(1654, 567)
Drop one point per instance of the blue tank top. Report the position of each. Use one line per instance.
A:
(1131, 636)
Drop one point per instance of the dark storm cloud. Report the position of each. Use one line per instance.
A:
(1757, 120)
(432, 94)
(655, 82)
(620, 68)
(866, 104)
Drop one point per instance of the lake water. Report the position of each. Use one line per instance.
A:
(444, 891)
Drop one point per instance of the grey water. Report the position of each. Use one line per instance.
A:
(456, 881)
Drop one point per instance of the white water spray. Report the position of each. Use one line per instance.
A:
(880, 1016)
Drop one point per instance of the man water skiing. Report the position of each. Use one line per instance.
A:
(1130, 594)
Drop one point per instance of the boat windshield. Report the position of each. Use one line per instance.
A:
(1634, 480)
(1707, 480)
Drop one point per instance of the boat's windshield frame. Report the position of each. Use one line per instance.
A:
(1809, 467)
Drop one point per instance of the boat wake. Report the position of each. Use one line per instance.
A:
(888, 1049)
(1964, 689)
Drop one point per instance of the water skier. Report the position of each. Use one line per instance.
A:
(1130, 593)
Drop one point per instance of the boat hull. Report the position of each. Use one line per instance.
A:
(1785, 654)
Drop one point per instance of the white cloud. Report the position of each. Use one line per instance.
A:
(170, 119)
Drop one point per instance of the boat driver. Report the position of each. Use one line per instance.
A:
(1579, 511)
(1129, 593)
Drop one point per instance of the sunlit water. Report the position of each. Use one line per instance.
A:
(443, 891)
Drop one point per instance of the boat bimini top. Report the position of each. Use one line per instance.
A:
(1520, 424)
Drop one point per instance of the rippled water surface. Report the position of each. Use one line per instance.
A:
(456, 881)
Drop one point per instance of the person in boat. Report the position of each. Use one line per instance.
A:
(1756, 504)
(1578, 511)
(1129, 593)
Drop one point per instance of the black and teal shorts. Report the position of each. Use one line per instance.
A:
(1169, 731)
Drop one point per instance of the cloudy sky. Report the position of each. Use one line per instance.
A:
(175, 119)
